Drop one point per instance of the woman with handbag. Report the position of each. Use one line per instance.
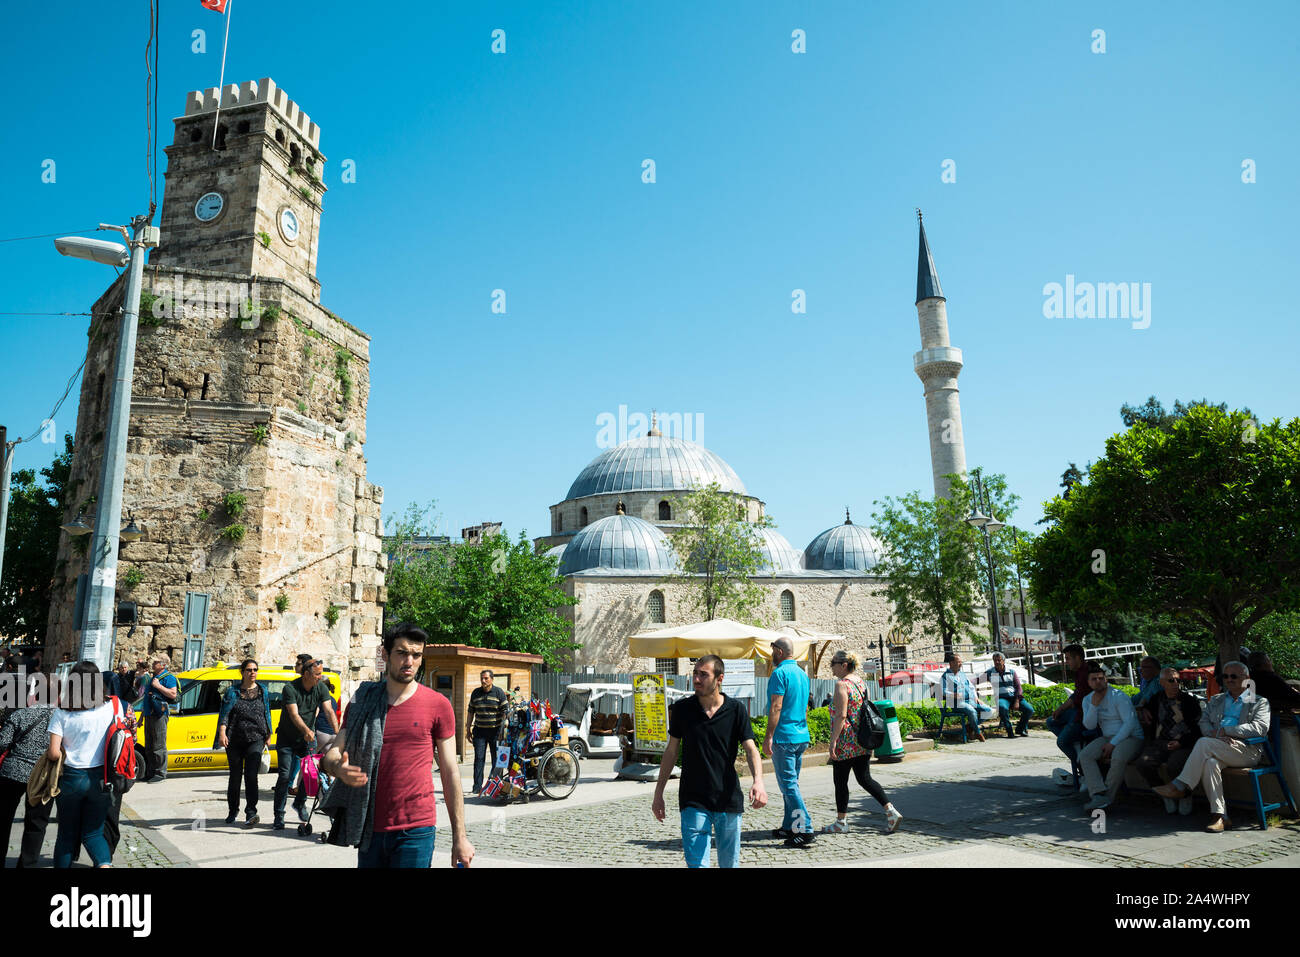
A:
(79, 730)
(846, 754)
(244, 730)
(23, 737)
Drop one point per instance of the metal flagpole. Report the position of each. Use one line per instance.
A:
(222, 82)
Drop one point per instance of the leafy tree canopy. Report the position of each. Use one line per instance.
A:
(493, 594)
(1191, 517)
(718, 553)
(31, 548)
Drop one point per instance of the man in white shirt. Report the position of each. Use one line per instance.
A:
(1120, 741)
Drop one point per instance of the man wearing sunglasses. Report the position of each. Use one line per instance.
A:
(1228, 720)
(1171, 723)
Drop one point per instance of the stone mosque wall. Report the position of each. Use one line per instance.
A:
(611, 609)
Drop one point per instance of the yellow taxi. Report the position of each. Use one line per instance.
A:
(192, 727)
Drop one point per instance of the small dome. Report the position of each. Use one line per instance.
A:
(654, 463)
(846, 547)
(618, 541)
(778, 554)
(556, 552)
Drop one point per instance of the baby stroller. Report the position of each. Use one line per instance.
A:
(315, 784)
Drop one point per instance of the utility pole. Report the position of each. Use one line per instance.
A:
(101, 599)
(7, 454)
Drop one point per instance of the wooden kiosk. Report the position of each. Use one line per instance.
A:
(453, 671)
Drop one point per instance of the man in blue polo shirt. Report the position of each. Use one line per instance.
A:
(787, 739)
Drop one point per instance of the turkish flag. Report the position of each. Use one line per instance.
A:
(217, 5)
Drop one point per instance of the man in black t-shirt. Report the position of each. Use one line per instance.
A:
(300, 701)
(708, 729)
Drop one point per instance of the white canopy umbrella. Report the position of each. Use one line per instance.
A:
(721, 636)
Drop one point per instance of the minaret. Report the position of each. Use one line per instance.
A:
(938, 364)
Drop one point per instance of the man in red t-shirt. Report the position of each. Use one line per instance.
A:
(401, 804)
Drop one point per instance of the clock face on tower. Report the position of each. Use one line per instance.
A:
(288, 222)
(209, 207)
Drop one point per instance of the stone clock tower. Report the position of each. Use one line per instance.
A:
(245, 453)
(252, 204)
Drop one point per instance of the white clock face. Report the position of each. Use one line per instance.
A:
(209, 207)
(289, 224)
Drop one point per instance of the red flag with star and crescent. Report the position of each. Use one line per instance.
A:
(217, 5)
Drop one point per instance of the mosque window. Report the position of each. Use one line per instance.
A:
(740, 511)
(656, 607)
(665, 512)
(665, 666)
(787, 605)
(584, 516)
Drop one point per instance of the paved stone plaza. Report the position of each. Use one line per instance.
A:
(990, 804)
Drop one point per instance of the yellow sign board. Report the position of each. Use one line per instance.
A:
(650, 712)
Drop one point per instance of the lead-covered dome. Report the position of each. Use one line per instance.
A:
(654, 463)
(618, 541)
(778, 554)
(846, 547)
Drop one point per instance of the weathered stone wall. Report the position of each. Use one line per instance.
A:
(610, 610)
(274, 413)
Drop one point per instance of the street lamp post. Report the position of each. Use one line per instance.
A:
(987, 523)
(101, 598)
(7, 457)
(1024, 616)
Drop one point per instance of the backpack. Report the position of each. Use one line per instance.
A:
(119, 752)
(871, 725)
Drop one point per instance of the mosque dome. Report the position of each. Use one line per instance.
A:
(556, 552)
(656, 463)
(618, 541)
(778, 554)
(846, 547)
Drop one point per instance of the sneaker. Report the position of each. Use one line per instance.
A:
(251, 821)
(782, 834)
(1185, 806)
(839, 827)
(304, 815)
(230, 818)
(1023, 733)
(1218, 825)
(799, 840)
(1171, 806)
(1010, 733)
(892, 818)
(277, 824)
(1102, 800)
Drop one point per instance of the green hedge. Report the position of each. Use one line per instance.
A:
(819, 728)
(916, 717)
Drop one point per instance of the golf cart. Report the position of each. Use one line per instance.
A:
(597, 715)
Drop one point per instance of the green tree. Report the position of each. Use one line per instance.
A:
(935, 563)
(1278, 635)
(31, 547)
(719, 553)
(493, 594)
(1192, 517)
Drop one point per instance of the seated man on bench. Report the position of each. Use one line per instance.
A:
(1006, 686)
(1228, 719)
(1120, 740)
(1172, 730)
(956, 693)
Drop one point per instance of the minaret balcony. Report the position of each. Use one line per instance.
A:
(945, 355)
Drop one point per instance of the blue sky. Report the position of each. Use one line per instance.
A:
(775, 171)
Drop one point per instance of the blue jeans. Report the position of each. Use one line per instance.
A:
(696, 825)
(412, 847)
(286, 763)
(787, 763)
(83, 808)
(1070, 734)
(973, 717)
(1004, 713)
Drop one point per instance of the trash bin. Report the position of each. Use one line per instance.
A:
(892, 746)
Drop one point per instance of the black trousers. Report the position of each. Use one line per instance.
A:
(485, 747)
(861, 769)
(12, 794)
(244, 759)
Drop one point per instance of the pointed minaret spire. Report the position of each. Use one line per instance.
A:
(937, 365)
(847, 520)
(654, 424)
(927, 277)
